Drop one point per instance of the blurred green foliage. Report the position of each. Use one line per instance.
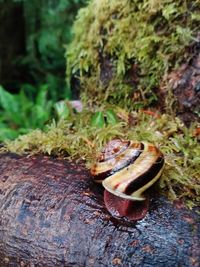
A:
(23, 112)
(47, 26)
(101, 119)
(48, 30)
(62, 110)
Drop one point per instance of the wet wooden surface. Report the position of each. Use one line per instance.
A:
(52, 214)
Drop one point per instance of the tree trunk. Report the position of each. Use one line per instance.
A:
(52, 214)
(12, 43)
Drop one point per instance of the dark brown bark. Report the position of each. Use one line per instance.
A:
(52, 214)
(185, 85)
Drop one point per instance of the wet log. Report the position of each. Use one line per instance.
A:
(52, 214)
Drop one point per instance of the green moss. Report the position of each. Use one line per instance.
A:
(77, 139)
(152, 34)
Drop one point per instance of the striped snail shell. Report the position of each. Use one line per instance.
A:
(128, 168)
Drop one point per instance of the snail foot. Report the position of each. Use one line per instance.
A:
(119, 207)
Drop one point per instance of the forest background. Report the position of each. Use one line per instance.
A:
(34, 35)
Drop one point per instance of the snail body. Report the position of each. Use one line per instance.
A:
(127, 169)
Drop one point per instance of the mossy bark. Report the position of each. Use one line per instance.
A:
(184, 84)
(124, 50)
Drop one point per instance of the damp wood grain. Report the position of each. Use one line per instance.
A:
(52, 214)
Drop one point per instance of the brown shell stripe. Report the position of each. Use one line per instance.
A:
(146, 177)
(120, 161)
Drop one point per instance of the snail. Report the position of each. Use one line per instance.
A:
(126, 170)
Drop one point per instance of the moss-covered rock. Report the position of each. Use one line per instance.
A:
(122, 49)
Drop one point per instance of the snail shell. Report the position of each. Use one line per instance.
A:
(128, 168)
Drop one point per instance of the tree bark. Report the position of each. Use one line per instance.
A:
(185, 85)
(52, 214)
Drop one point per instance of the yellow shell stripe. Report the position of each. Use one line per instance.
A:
(118, 182)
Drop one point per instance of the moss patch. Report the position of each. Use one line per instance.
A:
(150, 35)
(77, 139)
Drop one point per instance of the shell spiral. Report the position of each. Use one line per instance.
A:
(128, 168)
